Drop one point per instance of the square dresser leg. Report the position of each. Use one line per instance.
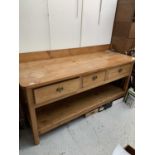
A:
(126, 83)
(32, 114)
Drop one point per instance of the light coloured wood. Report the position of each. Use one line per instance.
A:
(116, 72)
(83, 89)
(44, 79)
(32, 115)
(33, 56)
(44, 55)
(91, 112)
(44, 72)
(57, 90)
(53, 116)
(93, 79)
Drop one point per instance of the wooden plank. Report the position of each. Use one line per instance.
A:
(54, 115)
(39, 73)
(32, 114)
(44, 55)
(91, 112)
(26, 57)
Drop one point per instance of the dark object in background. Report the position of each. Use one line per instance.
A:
(130, 150)
(23, 122)
(22, 118)
(123, 37)
(132, 78)
(108, 105)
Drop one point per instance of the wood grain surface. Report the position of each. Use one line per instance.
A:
(42, 72)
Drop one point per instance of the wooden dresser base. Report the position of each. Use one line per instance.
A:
(59, 90)
(56, 114)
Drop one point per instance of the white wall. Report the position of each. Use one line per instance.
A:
(97, 23)
(41, 27)
(33, 26)
(65, 23)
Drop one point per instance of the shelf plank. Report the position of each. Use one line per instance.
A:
(56, 114)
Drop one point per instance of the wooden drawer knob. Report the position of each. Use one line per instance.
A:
(94, 77)
(59, 89)
(120, 70)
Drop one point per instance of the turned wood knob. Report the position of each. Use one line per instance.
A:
(59, 89)
(120, 70)
(94, 77)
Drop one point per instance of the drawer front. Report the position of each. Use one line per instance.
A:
(53, 91)
(93, 79)
(118, 72)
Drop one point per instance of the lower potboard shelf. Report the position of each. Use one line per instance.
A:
(54, 115)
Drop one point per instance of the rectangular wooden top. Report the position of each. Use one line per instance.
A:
(42, 72)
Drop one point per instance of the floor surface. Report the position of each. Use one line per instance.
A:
(97, 134)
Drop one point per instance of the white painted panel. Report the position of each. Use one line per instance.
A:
(34, 26)
(107, 18)
(65, 23)
(93, 31)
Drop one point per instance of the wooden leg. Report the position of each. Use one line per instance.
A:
(126, 82)
(32, 113)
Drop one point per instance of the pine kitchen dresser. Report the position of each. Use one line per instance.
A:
(62, 85)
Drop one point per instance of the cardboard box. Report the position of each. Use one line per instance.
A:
(132, 31)
(123, 29)
(125, 10)
(122, 44)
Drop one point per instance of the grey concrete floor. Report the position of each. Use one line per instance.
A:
(97, 134)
